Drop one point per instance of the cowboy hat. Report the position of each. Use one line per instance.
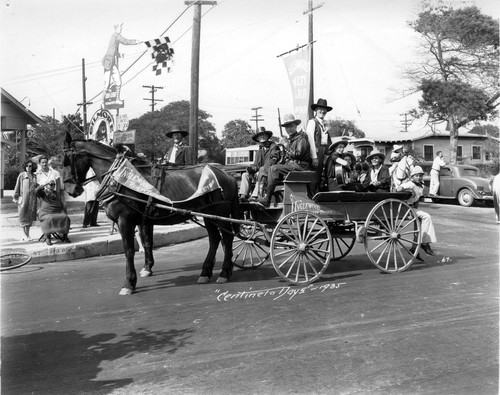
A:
(397, 148)
(353, 158)
(321, 103)
(290, 119)
(416, 170)
(262, 131)
(177, 129)
(336, 141)
(375, 153)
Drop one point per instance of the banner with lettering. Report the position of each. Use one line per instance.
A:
(128, 176)
(298, 68)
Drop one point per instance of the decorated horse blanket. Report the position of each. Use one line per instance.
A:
(127, 175)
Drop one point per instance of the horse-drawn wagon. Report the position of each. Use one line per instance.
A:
(301, 234)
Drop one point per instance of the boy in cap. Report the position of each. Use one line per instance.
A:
(180, 153)
(416, 186)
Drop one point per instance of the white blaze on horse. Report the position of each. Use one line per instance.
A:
(130, 208)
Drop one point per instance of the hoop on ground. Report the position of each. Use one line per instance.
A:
(13, 261)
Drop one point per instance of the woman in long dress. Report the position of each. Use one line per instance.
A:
(25, 197)
(52, 214)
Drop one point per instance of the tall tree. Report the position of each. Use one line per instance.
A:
(341, 127)
(458, 70)
(48, 138)
(237, 133)
(152, 126)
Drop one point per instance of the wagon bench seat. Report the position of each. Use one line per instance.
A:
(352, 196)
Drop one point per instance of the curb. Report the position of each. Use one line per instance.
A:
(103, 245)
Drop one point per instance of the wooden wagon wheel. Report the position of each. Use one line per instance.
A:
(392, 236)
(342, 246)
(301, 247)
(252, 249)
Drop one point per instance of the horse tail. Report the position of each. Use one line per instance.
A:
(235, 207)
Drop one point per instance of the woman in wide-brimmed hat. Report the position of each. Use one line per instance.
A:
(179, 153)
(262, 133)
(378, 178)
(319, 138)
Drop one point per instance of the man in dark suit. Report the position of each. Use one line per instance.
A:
(179, 153)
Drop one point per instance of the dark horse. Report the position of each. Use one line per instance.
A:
(130, 209)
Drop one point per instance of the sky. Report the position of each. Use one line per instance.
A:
(361, 49)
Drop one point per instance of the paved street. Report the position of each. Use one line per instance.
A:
(430, 330)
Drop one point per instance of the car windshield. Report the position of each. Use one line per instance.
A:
(470, 172)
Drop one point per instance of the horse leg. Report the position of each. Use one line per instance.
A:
(146, 234)
(127, 231)
(213, 242)
(227, 246)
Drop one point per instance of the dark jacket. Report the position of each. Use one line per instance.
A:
(383, 177)
(182, 157)
(299, 150)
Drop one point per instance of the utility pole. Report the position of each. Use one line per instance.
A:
(85, 102)
(311, 62)
(195, 75)
(256, 118)
(405, 123)
(152, 91)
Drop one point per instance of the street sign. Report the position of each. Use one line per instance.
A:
(127, 137)
(122, 122)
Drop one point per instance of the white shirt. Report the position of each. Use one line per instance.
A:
(173, 154)
(438, 162)
(311, 127)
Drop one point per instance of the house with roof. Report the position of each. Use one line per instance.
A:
(16, 121)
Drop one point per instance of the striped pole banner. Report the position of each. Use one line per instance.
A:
(298, 68)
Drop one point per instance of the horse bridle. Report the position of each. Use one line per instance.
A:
(73, 177)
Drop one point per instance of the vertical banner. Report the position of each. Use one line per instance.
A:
(299, 72)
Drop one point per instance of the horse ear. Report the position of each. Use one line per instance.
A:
(68, 138)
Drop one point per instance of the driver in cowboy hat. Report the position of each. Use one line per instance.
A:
(416, 186)
(260, 165)
(179, 153)
(319, 138)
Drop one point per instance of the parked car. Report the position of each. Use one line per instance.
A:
(461, 182)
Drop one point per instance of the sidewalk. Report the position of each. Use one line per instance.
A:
(85, 243)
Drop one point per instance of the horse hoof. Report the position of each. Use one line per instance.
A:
(203, 280)
(145, 273)
(125, 291)
(222, 280)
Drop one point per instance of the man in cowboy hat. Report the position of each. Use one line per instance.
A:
(260, 165)
(416, 186)
(179, 153)
(377, 178)
(319, 137)
(298, 157)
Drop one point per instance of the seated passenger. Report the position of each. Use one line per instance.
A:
(336, 164)
(378, 178)
(52, 213)
(260, 166)
(416, 186)
(298, 157)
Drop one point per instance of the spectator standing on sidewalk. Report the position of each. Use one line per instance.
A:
(91, 204)
(436, 168)
(25, 197)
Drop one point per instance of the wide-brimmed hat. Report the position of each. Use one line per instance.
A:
(262, 131)
(336, 141)
(178, 129)
(375, 153)
(321, 103)
(353, 158)
(289, 119)
(416, 170)
(397, 148)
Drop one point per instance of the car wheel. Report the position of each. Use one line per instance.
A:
(465, 198)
